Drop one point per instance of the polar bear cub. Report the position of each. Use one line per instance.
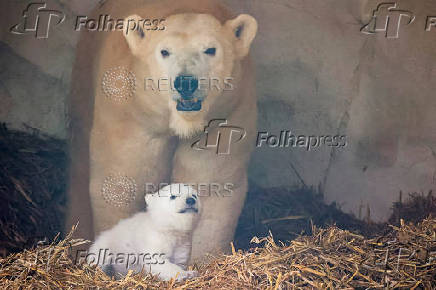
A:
(158, 240)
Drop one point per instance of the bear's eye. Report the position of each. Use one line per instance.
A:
(172, 197)
(165, 53)
(210, 51)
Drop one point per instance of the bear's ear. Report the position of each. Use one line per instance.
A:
(243, 28)
(133, 33)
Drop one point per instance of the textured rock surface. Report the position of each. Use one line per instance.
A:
(29, 96)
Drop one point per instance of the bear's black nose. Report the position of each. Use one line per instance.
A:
(186, 85)
(190, 201)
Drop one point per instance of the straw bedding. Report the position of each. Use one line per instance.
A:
(329, 258)
(32, 186)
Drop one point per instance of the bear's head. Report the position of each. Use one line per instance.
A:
(175, 206)
(189, 65)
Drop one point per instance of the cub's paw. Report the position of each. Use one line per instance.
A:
(186, 275)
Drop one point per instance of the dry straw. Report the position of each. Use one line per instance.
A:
(329, 258)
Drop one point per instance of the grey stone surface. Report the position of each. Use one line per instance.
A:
(29, 96)
(318, 74)
(54, 55)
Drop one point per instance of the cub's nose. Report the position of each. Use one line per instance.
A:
(186, 85)
(190, 201)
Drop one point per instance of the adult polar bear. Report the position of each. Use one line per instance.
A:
(147, 137)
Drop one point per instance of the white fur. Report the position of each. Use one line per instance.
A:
(186, 45)
(161, 231)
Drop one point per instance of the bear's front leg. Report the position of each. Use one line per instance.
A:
(221, 182)
(123, 160)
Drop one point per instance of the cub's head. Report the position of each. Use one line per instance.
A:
(175, 206)
(188, 65)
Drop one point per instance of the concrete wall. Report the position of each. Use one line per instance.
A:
(317, 75)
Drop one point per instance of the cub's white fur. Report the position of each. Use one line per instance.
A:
(158, 240)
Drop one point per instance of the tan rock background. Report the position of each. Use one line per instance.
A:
(317, 74)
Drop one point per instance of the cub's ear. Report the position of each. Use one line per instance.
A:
(133, 32)
(243, 28)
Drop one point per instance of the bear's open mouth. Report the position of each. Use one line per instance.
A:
(189, 209)
(188, 105)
